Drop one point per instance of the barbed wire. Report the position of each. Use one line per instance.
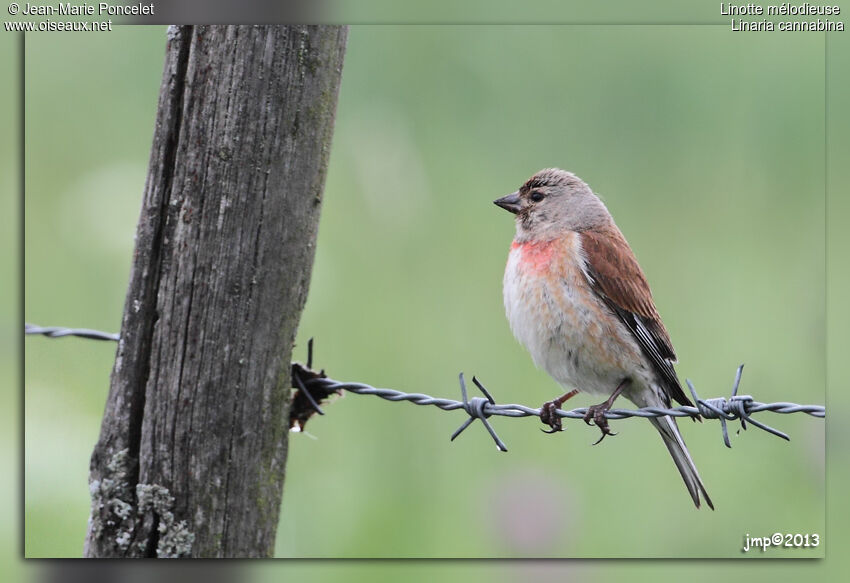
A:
(311, 384)
(737, 407)
(56, 332)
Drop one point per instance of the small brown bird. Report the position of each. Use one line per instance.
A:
(577, 299)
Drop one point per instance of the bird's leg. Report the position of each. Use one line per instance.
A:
(596, 413)
(547, 412)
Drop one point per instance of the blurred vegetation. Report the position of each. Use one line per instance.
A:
(708, 149)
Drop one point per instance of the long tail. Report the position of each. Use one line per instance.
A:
(666, 426)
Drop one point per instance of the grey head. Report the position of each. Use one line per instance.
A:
(551, 202)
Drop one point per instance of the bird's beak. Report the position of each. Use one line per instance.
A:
(510, 202)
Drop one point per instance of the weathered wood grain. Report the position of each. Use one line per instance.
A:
(192, 451)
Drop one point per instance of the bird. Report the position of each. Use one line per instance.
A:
(577, 299)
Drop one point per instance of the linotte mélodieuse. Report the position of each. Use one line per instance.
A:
(786, 9)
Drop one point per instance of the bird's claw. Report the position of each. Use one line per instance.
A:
(550, 418)
(596, 416)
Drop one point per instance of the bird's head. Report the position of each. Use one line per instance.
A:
(552, 202)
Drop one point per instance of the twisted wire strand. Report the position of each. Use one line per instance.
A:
(57, 332)
(739, 407)
(736, 407)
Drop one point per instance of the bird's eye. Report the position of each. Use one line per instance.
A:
(537, 196)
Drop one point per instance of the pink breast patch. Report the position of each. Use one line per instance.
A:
(536, 255)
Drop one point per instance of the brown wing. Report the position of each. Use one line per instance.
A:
(615, 275)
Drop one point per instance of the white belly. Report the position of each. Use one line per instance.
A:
(561, 329)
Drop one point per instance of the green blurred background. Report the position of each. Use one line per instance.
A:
(708, 148)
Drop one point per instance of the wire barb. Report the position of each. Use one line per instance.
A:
(475, 408)
(737, 407)
(300, 382)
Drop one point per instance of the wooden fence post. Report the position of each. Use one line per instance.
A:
(193, 444)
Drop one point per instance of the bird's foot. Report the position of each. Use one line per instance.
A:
(596, 415)
(549, 417)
